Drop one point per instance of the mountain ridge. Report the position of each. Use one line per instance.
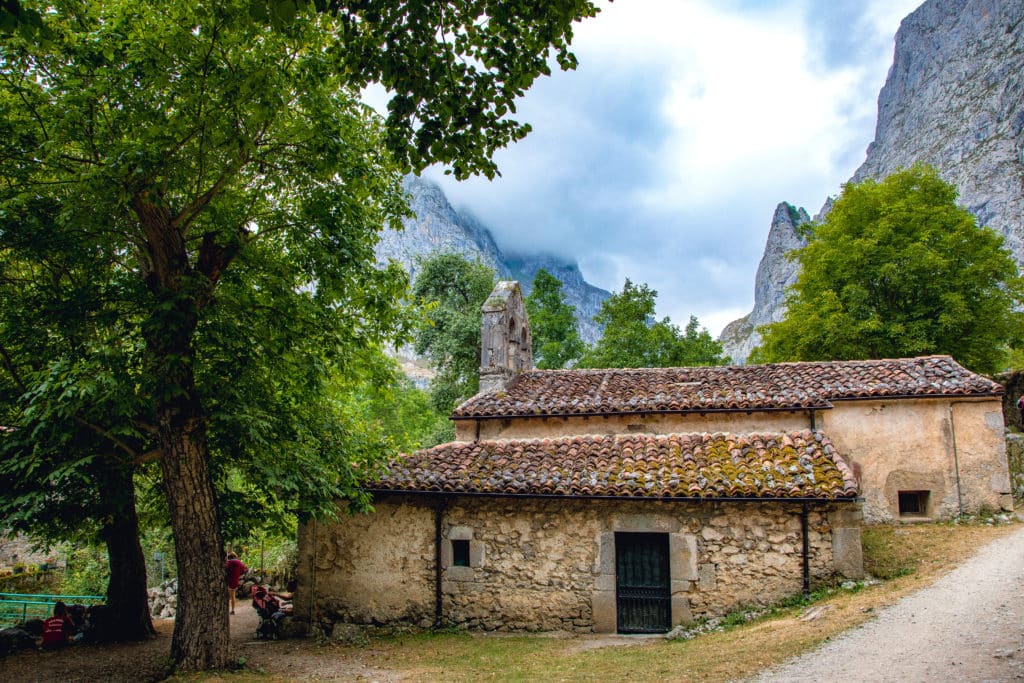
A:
(436, 226)
(954, 99)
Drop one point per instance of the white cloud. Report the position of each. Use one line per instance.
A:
(885, 16)
(663, 157)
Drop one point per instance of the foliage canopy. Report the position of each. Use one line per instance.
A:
(454, 289)
(453, 69)
(556, 337)
(897, 269)
(633, 339)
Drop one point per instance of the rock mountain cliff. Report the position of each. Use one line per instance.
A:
(775, 274)
(437, 227)
(954, 98)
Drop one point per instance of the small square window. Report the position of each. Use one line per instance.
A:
(913, 503)
(460, 553)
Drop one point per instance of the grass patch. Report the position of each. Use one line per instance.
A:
(886, 554)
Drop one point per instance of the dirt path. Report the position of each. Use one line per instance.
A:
(967, 626)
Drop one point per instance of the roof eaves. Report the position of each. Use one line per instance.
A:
(943, 396)
(611, 413)
(681, 499)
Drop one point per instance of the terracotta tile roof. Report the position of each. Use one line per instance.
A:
(731, 388)
(795, 465)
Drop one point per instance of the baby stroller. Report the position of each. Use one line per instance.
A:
(268, 608)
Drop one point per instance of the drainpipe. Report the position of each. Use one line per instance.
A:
(438, 595)
(814, 425)
(806, 551)
(956, 461)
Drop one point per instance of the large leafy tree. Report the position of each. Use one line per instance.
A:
(632, 338)
(69, 453)
(178, 141)
(454, 290)
(556, 337)
(157, 191)
(897, 269)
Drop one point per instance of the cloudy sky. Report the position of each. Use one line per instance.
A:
(663, 156)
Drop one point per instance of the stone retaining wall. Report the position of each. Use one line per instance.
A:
(22, 549)
(1015, 459)
(550, 564)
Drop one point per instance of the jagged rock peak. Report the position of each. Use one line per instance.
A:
(954, 99)
(436, 226)
(775, 274)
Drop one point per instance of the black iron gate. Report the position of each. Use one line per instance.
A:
(643, 596)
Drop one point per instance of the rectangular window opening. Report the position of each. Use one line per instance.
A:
(913, 503)
(460, 553)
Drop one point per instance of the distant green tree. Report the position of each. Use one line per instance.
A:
(69, 383)
(396, 410)
(556, 337)
(897, 269)
(454, 288)
(633, 339)
(696, 347)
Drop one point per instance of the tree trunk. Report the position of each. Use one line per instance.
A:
(201, 621)
(127, 600)
(200, 638)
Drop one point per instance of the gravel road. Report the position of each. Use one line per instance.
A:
(968, 626)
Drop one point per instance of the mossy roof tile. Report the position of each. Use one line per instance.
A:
(795, 465)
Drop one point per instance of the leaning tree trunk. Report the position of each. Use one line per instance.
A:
(127, 599)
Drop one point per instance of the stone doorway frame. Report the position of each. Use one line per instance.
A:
(682, 563)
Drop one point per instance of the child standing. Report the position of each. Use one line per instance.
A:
(235, 570)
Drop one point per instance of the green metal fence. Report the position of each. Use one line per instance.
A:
(16, 607)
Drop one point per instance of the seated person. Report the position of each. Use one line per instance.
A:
(58, 628)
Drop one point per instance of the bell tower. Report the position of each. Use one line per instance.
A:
(506, 342)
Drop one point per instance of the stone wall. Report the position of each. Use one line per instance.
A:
(656, 423)
(1015, 457)
(22, 549)
(550, 564)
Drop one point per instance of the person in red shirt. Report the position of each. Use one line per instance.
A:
(235, 570)
(57, 628)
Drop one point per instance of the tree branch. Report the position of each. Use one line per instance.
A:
(185, 218)
(12, 370)
(132, 453)
(149, 456)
